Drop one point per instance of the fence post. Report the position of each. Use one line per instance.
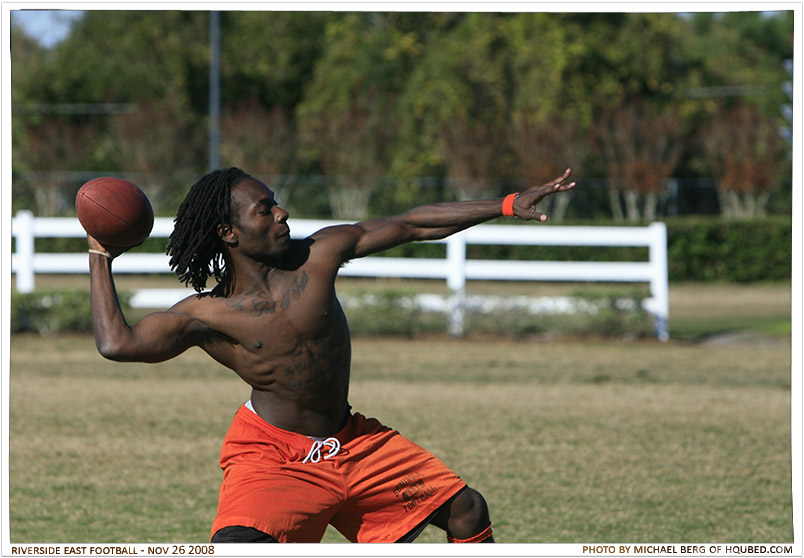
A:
(659, 286)
(24, 239)
(456, 281)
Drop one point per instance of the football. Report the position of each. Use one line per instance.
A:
(114, 211)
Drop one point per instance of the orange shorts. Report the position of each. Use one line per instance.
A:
(375, 487)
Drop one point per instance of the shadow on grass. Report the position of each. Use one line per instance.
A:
(703, 329)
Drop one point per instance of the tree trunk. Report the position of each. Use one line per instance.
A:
(348, 202)
(616, 208)
(632, 206)
(649, 209)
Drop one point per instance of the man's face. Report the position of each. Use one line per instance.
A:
(259, 224)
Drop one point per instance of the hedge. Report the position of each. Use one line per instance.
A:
(730, 251)
(55, 311)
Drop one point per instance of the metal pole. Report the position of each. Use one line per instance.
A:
(214, 89)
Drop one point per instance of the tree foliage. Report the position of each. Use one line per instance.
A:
(483, 99)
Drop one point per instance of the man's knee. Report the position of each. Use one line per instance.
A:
(469, 519)
(465, 517)
(470, 506)
(240, 534)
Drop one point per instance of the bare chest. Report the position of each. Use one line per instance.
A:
(266, 332)
(300, 306)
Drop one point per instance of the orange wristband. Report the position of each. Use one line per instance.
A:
(508, 205)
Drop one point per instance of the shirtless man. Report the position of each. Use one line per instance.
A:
(296, 458)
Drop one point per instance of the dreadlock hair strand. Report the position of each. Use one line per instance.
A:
(196, 250)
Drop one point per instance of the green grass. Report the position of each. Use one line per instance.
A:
(569, 441)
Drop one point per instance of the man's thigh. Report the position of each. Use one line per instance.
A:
(393, 488)
(290, 506)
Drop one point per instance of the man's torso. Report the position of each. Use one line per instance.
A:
(291, 344)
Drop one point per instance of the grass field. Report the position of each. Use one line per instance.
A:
(569, 440)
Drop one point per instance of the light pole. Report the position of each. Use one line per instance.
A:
(214, 89)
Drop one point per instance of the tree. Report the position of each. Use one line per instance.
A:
(130, 56)
(478, 97)
(542, 147)
(547, 128)
(740, 55)
(642, 149)
(347, 118)
(456, 107)
(158, 143)
(349, 144)
(56, 143)
(259, 140)
(270, 55)
(745, 152)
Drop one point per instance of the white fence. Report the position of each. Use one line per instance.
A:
(456, 269)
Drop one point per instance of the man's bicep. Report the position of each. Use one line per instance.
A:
(364, 238)
(160, 336)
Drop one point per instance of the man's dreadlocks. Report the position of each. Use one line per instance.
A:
(195, 249)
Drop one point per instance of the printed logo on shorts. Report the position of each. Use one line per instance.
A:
(412, 490)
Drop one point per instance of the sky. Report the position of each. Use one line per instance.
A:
(48, 26)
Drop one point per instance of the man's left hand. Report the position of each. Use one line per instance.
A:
(525, 203)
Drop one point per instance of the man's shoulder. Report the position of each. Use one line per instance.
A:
(341, 232)
(334, 243)
(198, 302)
(324, 247)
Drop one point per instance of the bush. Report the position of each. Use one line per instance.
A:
(390, 312)
(49, 312)
(730, 251)
(377, 313)
(610, 314)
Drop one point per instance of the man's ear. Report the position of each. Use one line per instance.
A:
(227, 235)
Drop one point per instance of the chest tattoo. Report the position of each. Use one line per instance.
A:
(295, 291)
(303, 358)
(257, 307)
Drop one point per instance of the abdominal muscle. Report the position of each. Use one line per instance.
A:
(305, 389)
(295, 355)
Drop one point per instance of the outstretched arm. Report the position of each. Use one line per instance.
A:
(436, 221)
(157, 337)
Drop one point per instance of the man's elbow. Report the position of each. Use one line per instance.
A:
(112, 350)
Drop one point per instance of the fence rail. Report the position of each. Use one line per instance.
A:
(456, 269)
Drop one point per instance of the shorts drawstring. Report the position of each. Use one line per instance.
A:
(314, 456)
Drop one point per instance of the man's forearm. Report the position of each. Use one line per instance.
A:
(108, 321)
(438, 220)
